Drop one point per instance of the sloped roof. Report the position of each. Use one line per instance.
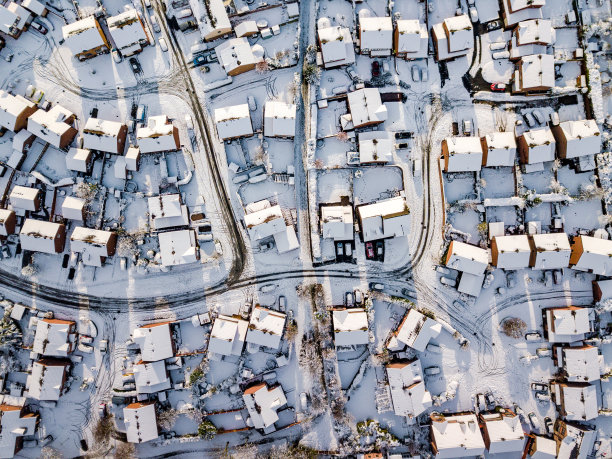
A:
(11, 107)
(514, 251)
(366, 107)
(505, 433)
(350, 326)
(155, 341)
(227, 336)
(336, 46)
(501, 149)
(552, 250)
(151, 377)
(178, 247)
(408, 393)
(83, 35)
(279, 119)
(460, 35)
(416, 330)
(464, 154)
(581, 363)
(140, 422)
(263, 403)
(457, 436)
(233, 121)
(376, 32)
(467, 258)
(266, 327)
(126, 29)
(54, 337)
(582, 137)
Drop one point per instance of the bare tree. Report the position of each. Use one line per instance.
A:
(514, 327)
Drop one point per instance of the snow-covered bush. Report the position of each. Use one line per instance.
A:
(207, 430)
(514, 327)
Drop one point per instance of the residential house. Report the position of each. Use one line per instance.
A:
(79, 160)
(266, 327)
(515, 11)
(8, 221)
(14, 111)
(366, 109)
(502, 432)
(592, 254)
(575, 401)
(246, 29)
(233, 122)
(178, 247)
(472, 261)
(602, 290)
(106, 136)
(384, 219)
(350, 326)
(581, 363)
(574, 440)
(410, 39)
(85, 38)
(337, 222)
(453, 38)
(498, 149)
(408, 392)
(539, 447)
(456, 435)
(536, 146)
(534, 73)
(26, 198)
(159, 135)
(266, 221)
(132, 158)
(35, 7)
(236, 56)
(54, 126)
(151, 377)
(531, 37)
(73, 208)
(262, 404)
(213, 19)
(155, 341)
(42, 236)
(128, 32)
(227, 336)
(167, 211)
(510, 252)
(376, 36)
(462, 154)
(11, 21)
(577, 138)
(93, 245)
(549, 251)
(279, 119)
(140, 420)
(567, 324)
(16, 422)
(47, 379)
(415, 330)
(375, 147)
(55, 337)
(336, 44)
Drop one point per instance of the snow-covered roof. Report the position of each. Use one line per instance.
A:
(384, 219)
(265, 222)
(464, 154)
(467, 258)
(515, 11)
(131, 158)
(457, 436)
(92, 244)
(34, 6)
(604, 287)
(158, 135)
(52, 125)
(567, 324)
(366, 107)
(15, 424)
(72, 208)
(552, 251)
(408, 393)
(535, 31)
(592, 254)
(227, 336)
(350, 326)
(499, 149)
(140, 422)
(337, 222)
(336, 46)
(54, 337)
(459, 33)
(286, 240)
(579, 401)
(151, 377)
(233, 121)
(235, 53)
(167, 211)
(544, 448)
(40, 236)
(24, 197)
(582, 137)
(246, 28)
(505, 433)
(279, 119)
(263, 403)
(266, 327)
(77, 159)
(470, 284)
(83, 35)
(578, 441)
(581, 363)
(375, 147)
(155, 341)
(511, 252)
(127, 31)
(12, 108)
(376, 33)
(103, 135)
(47, 379)
(541, 145)
(537, 71)
(9, 21)
(416, 330)
(411, 37)
(213, 20)
(517, 5)
(7, 222)
(178, 247)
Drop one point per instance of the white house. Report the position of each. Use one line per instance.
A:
(415, 330)
(14, 19)
(457, 435)
(408, 393)
(581, 363)
(337, 222)
(366, 108)
(279, 119)
(15, 423)
(78, 159)
(25, 198)
(262, 404)
(575, 401)
(266, 327)
(14, 111)
(46, 382)
(8, 221)
(167, 211)
(534, 73)
(233, 122)
(467, 258)
(103, 135)
(531, 37)
(350, 326)
(140, 420)
(268, 221)
(54, 337)
(541, 448)
(236, 56)
(376, 147)
(515, 11)
(178, 247)
(536, 146)
(410, 39)
(85, 38)
(575, 440)
(592, 254)
(54, 126)
(42, 236)
(336, 44)
(510, 252)
(155, 341)
(462, 154)
(550, 251)
(503, 433)
(454, 37)
(498, 149)
(213, 20)
(246, 29)
(577, 138)
(35, 7)
(93, 245)
(151, 377)
(160, 134)
(567, 324)
(128, 32)
(227, 336)
(376, 35)
(384, 219)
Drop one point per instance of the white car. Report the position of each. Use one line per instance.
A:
(116, 56)
(162, 44)
(448, 281)
(501, 55)
(155, 23)
(474, 14)
(537, 114)
(497, 46)
(415, 74)
(252, 103)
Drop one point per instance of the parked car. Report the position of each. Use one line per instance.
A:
(136, 67)
(557, 276)
(417, 167)
(39, 27)
(303, 401)
(467, 127)
(498, 87)
(539, 387)
(542, 397)
(348, 250)
(494, 25)
(448, 281)
(155, 23)
(375, 69)
(533, 420)
(85, 339)
(511, 279)
(554, 118)
(6, 252)
(85, 348)
(199, 60)
(529, 119)
(358, 296)
(104, 345)
(404, 135)
(443, 270)
(431, 347)
(490, 399)
(282, 303)
(543, 352)
(252, 103)
(459, 304)
(369, 247)
(548, 425)
(162, 44)
(474, 14)
(424, 74)
(352, 73)
(501, 55)
(376, 286)
(380, 249)
(415, 74)
(537, 114)
(348, 299)
(339, 249)
(432, 371)
(45, 441)
(533, 336)
(497, 46)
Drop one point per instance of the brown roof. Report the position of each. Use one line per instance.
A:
(255, 388)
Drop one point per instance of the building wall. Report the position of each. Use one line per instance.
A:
(494, 252)
(561, 141)
(523, 149)
(67, 137)
(445, 155)
(10, 223)
(241, 69)
(22, 119)
(577, 250)
(60, 239)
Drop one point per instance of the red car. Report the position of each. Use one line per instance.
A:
(498, 87)
(375, 69)
(369, 250)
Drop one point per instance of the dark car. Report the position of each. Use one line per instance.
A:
(375, 69)
(403, 135)
(380, 249)
(369, 250)
(94, 112)
(39, 28)
(136, 68)
(494, 25)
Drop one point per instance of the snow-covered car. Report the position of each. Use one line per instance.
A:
(376, 286)
(5, 251)
(501, 55)
(543, 352)
(189, 121)
(539, 387)
(304, 401)
(352, 73)
(489, 278)
(490, 399)
(511, 279)
(282, 303)
(548, 425)
(448, 281)
(557, 276)
(533, 420)
(416, 77)
(268, 288)
(34, 94)
(85, 339)
(162, 44)
(348, 299)
(82, 347)
(537, 114)
(104, 345)
(542, 397)
(474, 14)
(529, 119)
(432, 371)
(459, 304)
(424, 74)
(467, 127)
(417, 167)
(533, 336)
(348, 250)
(155, 23)
(252, 103)
(554, 118)
(358, 296)
(497, 45)
(116, 56)
(339, 249)
(102, 410)
(443, 270)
